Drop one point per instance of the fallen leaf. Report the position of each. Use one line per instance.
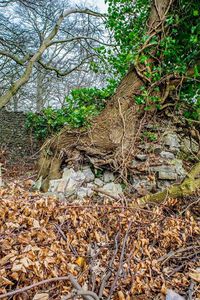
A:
(41, 296)
(36, 224)
(81, 262)
(195, 274)
(121, 295)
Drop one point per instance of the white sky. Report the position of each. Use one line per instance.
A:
(100, 3)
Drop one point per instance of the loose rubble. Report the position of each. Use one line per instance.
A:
(157, 166)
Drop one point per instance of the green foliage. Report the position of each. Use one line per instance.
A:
(150, 136)
(128, 32)
(191, 96)
(80, 107)
(50, 120)
(174, 51)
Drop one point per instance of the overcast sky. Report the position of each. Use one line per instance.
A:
(100, 3)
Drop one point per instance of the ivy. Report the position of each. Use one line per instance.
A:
(81, 105)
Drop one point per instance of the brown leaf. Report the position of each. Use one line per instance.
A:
(41, 296)
(195, 274)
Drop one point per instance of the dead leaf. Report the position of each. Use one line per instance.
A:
(36, 224)
(41, 296)
(121, 295)
(81, 262)
(195, 274)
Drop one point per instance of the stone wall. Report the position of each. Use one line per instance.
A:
(156, 165)
(14, 137)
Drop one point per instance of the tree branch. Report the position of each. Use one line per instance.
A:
(15, 58)
(64, 73)
(81, 38)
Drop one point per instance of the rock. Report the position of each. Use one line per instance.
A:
(172, 141)
(37, 185)
(71, 174)
(143, 186)
(167, 173)
(53, 184)
(114, 188)
(69, 183)
(134, 163)
(90, 187)
(108, 176)
(82, 192)
(142, 157)
(171, 295)
(62, 186)
(68, 173)
(178, 163)
(154, 128)
(157, 149)
(163, 184)
(167, 155)
(98, 182)
(89, 176)
(189, 146)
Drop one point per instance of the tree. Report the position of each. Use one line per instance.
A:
(46, 42)
(164, 62)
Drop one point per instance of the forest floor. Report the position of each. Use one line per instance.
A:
(114, 250)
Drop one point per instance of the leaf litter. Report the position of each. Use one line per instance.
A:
(114, 251)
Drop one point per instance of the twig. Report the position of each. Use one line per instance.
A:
(191, 291)
(163, 259)
(86, 295)
(191, 204)
(26, 288)
(120, 262)
(81, 293)
(1, 181)
(77, 286)
(107, 276)
(66, 240)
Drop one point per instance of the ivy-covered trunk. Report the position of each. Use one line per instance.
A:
(112, 138)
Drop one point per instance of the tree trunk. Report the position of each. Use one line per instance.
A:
(39, 89)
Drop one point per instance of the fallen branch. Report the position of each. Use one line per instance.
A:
(113, 287)
(107, 276)
(26, 288)
(86, 295)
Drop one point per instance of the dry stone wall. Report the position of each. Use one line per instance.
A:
(14, 137)
(155, 166)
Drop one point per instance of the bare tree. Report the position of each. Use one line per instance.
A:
(48, 40)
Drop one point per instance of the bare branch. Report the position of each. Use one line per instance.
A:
(64, 73)
(82, 38)
(14, 57)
